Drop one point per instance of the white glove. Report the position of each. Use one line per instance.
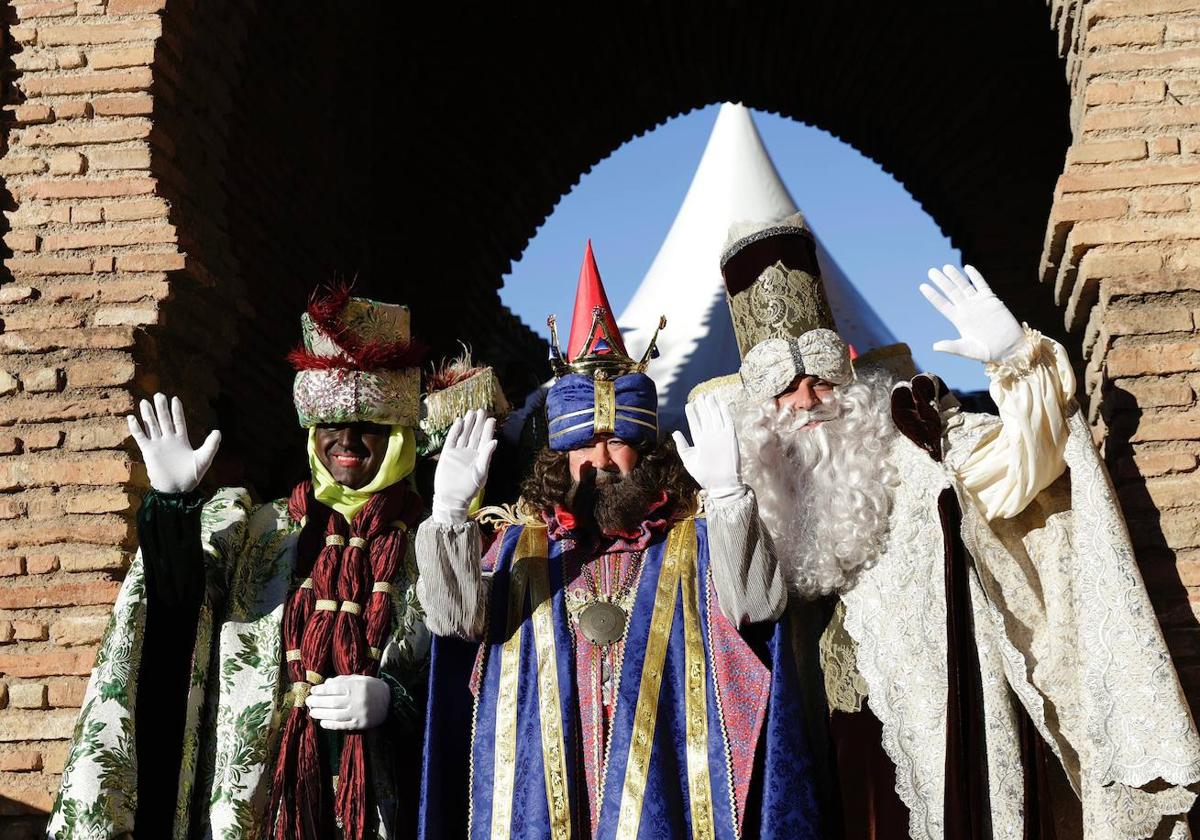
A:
(462, 467)
(170, 462)
(988, 331)
(713, 460)
(349, 702)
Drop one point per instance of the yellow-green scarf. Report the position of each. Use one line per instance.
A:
(398, 462)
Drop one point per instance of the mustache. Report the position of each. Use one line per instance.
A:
(797, 418)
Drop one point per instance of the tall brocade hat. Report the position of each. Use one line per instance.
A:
(781, 315)
(453, 389)
(598, 388)
(358, 363)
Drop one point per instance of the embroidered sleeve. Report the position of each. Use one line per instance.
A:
(1018, 458)
(451, 585)
(749, 582)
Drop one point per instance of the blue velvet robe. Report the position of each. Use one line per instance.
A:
(506, 763)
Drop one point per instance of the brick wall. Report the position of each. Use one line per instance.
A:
(178, 176)
(1123, 254)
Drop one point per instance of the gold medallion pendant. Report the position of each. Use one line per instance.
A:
(602, 623)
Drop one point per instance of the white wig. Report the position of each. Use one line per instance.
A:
(824, 493)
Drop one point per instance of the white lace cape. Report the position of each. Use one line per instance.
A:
(1062, 618)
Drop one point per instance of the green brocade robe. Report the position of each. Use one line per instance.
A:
(238, 696)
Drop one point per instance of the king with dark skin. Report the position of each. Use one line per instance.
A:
(352, 452)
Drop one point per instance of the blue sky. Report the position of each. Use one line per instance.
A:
(881, 238)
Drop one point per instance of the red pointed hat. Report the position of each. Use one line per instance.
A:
(589, 295)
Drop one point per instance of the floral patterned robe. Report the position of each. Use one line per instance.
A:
(237, 695)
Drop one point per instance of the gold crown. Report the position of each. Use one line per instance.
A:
(597, 365)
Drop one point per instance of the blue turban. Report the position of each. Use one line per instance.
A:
(579, 407)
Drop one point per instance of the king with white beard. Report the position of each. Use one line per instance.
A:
(991, 657)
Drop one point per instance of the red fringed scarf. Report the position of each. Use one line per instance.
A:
(336, 621)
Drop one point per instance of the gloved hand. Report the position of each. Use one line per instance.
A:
(172, 465)
(713, 460)
(462, 467)
(988, 331)
(349, 702)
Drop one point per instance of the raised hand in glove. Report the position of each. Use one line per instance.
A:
(171, 463)
(987, 330)
(462, 467)
(349, 702)
(713, 458)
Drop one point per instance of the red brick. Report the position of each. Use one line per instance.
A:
(1156, 463)
(1107, 151)
(11, 508)
(1167, 426)
(1135, 360)
(41, 564)
(1125, 34)
(76, 134)
(113, 33)
(91, 558)
(110, 316)
(122, 106)
(43, 380)
(30, 631)
(24, 761)
(6, 636)
(25, 11)
(9, 384)
(36, 440)
(32, 113)
(9, 444)
(108, 371)
(86, 216)
(112, 57)
(1118, 179)
(67, 693)
(70, 58)
(104, 264)
(43, 317)
(15, 294)
(1140, 118)
(110, 291)
(137, 78)
(1183, 30)
(39, 341)
(73, 630)
(91, 470)
(22, 240)
(148, 208)
(150, 262)
(49, 265)
(109, 159)
(133, 7)
(50, 663)
(21, 165)
(1164, 146)
(58, 594)
(12, 566)
(38, 726)
(1119, 93)
(87, 188)
(103, 529)
(1067, 209)
(98, 434)
(1168, 492)
(72, 109)
(1153, 392)
(1170, 203)
(109, 237)
(27, 695)
(1123, 61)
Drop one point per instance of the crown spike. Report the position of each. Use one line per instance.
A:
(652, 347)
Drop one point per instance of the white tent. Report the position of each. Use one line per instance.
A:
(735, 182)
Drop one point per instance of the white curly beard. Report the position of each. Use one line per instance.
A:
(824, 493)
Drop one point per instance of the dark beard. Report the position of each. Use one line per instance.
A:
(614, 504)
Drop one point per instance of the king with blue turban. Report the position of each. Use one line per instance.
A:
(614, 665)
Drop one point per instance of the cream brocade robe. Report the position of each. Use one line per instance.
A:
(1061, 618)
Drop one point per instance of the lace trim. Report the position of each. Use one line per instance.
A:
(1021, 361)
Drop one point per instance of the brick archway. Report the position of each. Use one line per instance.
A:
(181, 173)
